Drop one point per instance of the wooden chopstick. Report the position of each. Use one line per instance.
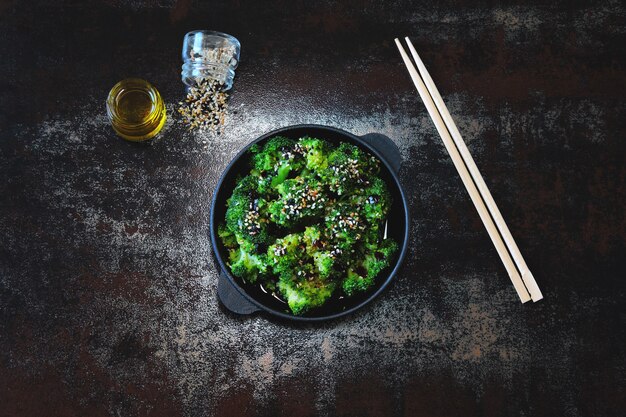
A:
(527, 276)
(465, 177)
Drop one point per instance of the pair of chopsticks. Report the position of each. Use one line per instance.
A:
(518, 271)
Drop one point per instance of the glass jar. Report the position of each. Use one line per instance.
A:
(209, 55)
(136, 109)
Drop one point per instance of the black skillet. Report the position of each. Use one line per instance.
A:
(243, 298)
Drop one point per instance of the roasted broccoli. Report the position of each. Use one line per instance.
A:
(348, 168)
(246, 214)
(306, 222)
(275, 161)
(228, 238)
(286, 254)
(299, 199)
(265, 158)
(305, 292)
(361, 275)
(247, 265)
(315, 151)
(374, 200)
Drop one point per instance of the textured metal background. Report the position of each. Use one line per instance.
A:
(107, 287)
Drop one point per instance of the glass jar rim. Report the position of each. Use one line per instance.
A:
(141, 84)
(216, 34)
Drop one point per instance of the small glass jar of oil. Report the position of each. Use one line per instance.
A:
(136, 109)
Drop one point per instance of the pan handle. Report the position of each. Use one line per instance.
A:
(232, 299)
(386, 147)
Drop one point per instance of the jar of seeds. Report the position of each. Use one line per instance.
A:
(210, 59)
(208, 56)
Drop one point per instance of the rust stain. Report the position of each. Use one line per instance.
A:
(501, 78)
(365, 396)
(131, 229)
(237, 403)
(180, 10)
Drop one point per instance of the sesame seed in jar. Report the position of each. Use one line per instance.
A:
(205, 106)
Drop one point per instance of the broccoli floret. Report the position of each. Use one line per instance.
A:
(264, 158)
(344, 223)
(312, 236)
(388, 247)
(246, 213)
(275, 160)
(264, 183)
(348, 166)
(345, 151)
(228, 237)
(290, 243)
(239, 202)
(286, 253)
(354, 283)
(247, 265)
(379, 259)
(373, 199)
(299, 199)
(324, 262)
(360, 277)
(316, 250)
(302, 271)
(305, 290)
(282, 172)
(315, 152)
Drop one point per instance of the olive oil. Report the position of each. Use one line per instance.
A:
(136, 109)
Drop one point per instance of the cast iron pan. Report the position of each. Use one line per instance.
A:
(243, 298)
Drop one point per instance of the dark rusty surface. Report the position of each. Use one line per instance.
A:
(107, 287)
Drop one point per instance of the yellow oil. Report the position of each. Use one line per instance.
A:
(136, 109)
